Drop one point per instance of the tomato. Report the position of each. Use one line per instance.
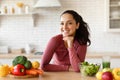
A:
(19, 70)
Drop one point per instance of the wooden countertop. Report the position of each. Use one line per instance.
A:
(89, 55)
(56, 76)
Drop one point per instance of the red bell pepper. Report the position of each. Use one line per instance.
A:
(19, 70)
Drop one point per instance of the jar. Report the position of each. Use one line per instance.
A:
(20, 11)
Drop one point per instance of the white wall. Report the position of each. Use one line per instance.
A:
(16, 31)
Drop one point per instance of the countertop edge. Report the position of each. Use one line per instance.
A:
(88, 55)
(11, 56)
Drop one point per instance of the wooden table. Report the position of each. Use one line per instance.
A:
(55, 76)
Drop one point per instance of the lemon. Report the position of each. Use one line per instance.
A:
(35, 64)
(99, 75)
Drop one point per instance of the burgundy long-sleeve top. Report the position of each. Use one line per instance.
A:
(62, 57)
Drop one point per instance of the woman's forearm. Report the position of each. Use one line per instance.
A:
(74, 60)
(53, 67)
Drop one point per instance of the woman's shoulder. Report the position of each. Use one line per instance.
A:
(57, 38)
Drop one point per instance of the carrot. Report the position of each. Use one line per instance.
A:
(31, 72)
(39, 71)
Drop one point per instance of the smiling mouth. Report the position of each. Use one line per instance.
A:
(65, 32)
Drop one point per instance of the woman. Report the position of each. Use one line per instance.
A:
(68, 48)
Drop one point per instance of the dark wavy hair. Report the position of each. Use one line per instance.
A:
(82, 33)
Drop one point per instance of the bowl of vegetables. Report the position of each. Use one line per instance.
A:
(89, 69)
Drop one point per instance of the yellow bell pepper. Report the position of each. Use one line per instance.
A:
(4, 70)
(116, 73)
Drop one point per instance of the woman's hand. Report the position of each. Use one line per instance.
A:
(70, 68)
(68, 40)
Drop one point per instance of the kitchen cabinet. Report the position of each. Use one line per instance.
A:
(113, 13)
(11, 8)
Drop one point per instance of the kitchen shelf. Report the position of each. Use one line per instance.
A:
(115, 5)
(23, 14)
(117, 18)
(18, 14)
(6, 7)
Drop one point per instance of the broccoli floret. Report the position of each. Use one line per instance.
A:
(19, 60)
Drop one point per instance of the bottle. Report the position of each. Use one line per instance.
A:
(12, 10)
(26, 9)
(5, 10)
(27, 49)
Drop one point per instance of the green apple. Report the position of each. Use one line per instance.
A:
(107, 69)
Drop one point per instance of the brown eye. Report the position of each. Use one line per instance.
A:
(70, 23)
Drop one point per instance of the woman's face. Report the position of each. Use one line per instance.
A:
(68, 25)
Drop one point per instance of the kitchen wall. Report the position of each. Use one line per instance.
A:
(16, 31)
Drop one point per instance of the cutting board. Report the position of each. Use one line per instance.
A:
(23, 77)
